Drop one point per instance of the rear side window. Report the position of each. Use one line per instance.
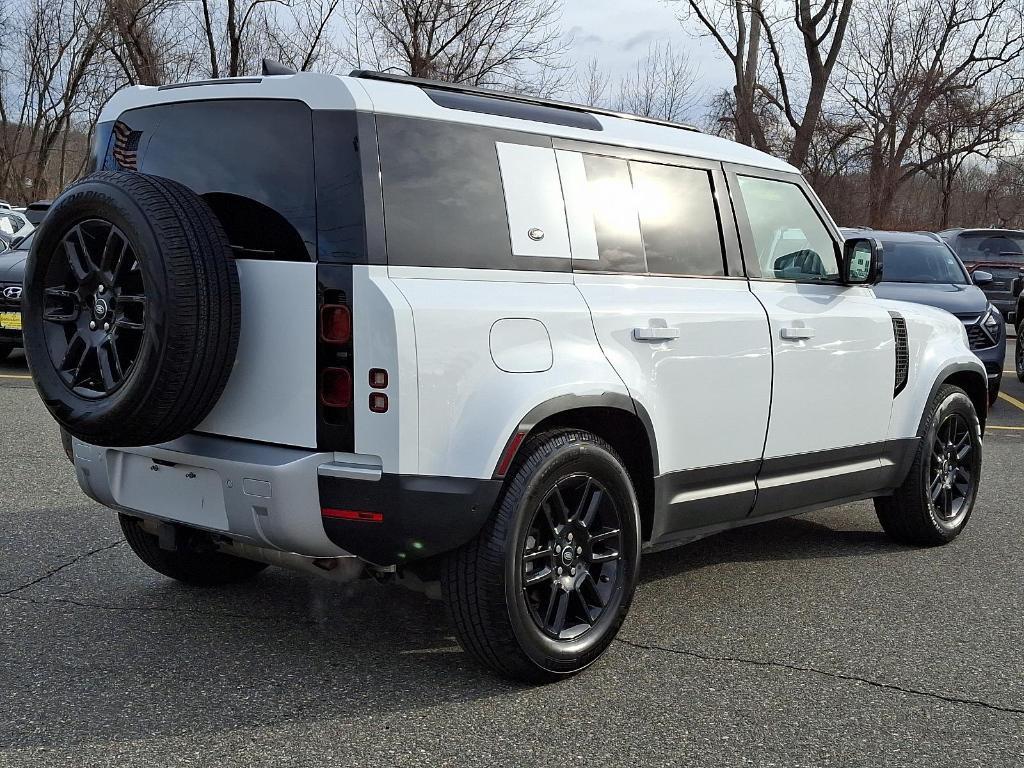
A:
(620, 247)
(251, 160)
(444, 202)
(678, 220)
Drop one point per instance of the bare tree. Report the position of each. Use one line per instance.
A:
(592, 85)
(753, 33)
(736, 25)
(505, 43)
(907, 58)
(663, 84)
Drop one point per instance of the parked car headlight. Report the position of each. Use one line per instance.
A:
(993, 322)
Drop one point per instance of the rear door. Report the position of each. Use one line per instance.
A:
(676, 320)
(834, 350)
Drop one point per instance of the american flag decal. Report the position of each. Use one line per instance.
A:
(126, 146)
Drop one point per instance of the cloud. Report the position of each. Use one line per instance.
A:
(581, 36)
(644, 38)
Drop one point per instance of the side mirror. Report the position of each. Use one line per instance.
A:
(981, 278)
(862, 261)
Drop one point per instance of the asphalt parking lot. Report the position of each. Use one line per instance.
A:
(810, 641)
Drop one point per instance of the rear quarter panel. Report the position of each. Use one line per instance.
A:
(468, 406)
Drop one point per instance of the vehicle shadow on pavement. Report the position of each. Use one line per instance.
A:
(796, 538)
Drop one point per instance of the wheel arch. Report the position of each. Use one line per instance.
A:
(971, 381)
(614, 417)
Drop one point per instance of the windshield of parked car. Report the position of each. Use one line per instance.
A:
(25, 244)
(920, 262)
(983, 246)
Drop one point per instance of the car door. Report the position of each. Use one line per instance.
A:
(676, 320)
(833, 348)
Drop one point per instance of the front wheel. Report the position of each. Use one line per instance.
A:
(542, 591)
(935, 501)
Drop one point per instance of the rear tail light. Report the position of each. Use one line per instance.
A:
(335, 323)
(336, 388)
(357, 515)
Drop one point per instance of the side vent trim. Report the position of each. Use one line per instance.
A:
(899, 332)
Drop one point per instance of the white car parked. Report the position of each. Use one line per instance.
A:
(498, 343)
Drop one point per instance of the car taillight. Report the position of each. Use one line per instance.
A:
(336, 388)
(335, 324)
(335, 358)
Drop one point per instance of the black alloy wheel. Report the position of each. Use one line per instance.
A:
(572, 557)
(94, 308)
(1018, 353)
(952, 474)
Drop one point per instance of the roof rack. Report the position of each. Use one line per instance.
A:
(522, 98)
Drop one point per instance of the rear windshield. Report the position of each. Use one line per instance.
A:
(920, 262)
(981, 246)
(251, 159)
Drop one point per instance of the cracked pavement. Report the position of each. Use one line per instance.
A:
(804, 642)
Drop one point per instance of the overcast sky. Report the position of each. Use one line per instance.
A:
(618, 32)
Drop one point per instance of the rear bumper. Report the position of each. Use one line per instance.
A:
(272, 496)
(416, 517)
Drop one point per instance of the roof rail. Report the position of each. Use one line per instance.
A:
(438, 85)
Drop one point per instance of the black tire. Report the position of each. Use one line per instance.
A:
(120, 369)
(914, 514)
(496, 616)
(1018, 353)
(5, 351)
(192, 561)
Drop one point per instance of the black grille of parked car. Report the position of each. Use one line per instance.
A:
(899, 332)
(8, 304)
(977, 335)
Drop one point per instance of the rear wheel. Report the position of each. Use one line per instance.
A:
(543, 590)
(934, 503)
(191, 559)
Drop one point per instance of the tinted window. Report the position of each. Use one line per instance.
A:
(920, 262)
(678, 220)
(790, 239)
(616, 223)
(443, 201)
(982, 246)
(251, 159)
(340, 206)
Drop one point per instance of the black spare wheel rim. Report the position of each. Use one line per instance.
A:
(953, 470)
(572, 558)
(94, 308)
(131, 309)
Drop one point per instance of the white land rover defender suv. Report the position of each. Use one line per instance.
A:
(499, 343)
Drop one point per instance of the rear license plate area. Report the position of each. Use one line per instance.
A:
(187, 494)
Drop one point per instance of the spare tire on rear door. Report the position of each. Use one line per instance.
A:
(131, 309)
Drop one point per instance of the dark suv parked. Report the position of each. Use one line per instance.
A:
(12, 276)
(921, 267)
(999, 252)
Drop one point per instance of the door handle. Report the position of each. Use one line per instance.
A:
(651, 333)
(794, 333)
